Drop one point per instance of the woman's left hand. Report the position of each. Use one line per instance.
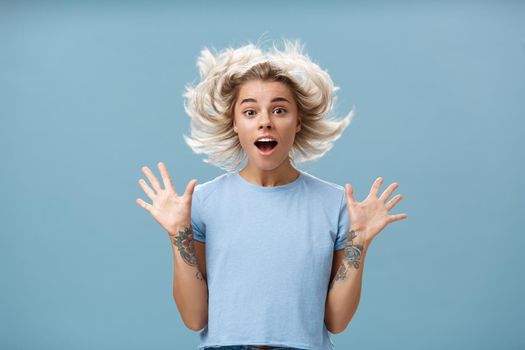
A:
(370, 216)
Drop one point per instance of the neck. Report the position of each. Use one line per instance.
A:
(279, 176)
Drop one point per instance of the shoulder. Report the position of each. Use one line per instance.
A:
(323, 186)
(326, 193)
(328, 196)
(204, 190)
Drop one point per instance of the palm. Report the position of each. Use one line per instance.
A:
(168, 208)
(371, 215)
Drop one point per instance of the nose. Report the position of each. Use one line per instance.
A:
(265, 121)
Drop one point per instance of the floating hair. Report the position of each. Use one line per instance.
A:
(210, 103)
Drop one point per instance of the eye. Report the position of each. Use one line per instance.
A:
(249, 113)
(279, 110)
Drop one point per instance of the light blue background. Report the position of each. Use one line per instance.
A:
(90, 92)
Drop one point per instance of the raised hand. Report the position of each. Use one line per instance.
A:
(170, 210)
(370, 216)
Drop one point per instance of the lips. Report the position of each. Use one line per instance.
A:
(265, 146)
(265, 143)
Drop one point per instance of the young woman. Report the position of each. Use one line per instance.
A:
(267, 256)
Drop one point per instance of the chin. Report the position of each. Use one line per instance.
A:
(268, 164)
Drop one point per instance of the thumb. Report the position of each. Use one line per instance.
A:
(349, 190)
(190, 188)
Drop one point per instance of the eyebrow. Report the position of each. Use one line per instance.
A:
(277, 99)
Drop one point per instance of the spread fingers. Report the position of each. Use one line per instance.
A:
(143, 204)
(388, 192)
(165, 176)
(149, 192)
(152, 179)
(391, 203)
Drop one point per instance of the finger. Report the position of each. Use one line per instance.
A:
(391, 203)
(190, 188)
(388, 192)
(397, 217)
(349, 191)
(375, 186)
(143, 204)
(147, 189)
(152, 179)
(165, 176)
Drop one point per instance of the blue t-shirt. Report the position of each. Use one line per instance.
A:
(269, 254)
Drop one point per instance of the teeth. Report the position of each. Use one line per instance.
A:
(266, 139)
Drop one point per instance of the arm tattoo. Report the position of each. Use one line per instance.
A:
(184, 242)
(186, 246)
(353, 255)
(353, 252)
(340, 275)
(199, 276)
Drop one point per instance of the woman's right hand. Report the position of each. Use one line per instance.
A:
(170, 210)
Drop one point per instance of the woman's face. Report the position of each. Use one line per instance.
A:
(266, 109)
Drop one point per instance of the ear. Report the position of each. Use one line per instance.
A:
(234, 126)
(298, 127)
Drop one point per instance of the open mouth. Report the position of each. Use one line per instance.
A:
(265, 146)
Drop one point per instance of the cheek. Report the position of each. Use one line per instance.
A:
(291, 132)
(243, 136)
(243, 141)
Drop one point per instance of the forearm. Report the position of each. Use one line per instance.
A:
(190, 289)
(344, 291)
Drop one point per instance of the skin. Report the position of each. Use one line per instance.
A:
(368, 218)
(172, 211)
(262, 108)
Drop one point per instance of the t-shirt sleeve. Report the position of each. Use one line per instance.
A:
(197, 225)
(343, 225)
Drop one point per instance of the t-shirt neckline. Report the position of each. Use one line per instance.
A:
(284, 187)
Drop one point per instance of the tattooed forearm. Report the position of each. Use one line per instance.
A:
(199, 276)
(340, 275)
(353, 252)
(186, 246)
(184, 243)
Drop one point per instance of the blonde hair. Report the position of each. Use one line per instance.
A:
(210, 103)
